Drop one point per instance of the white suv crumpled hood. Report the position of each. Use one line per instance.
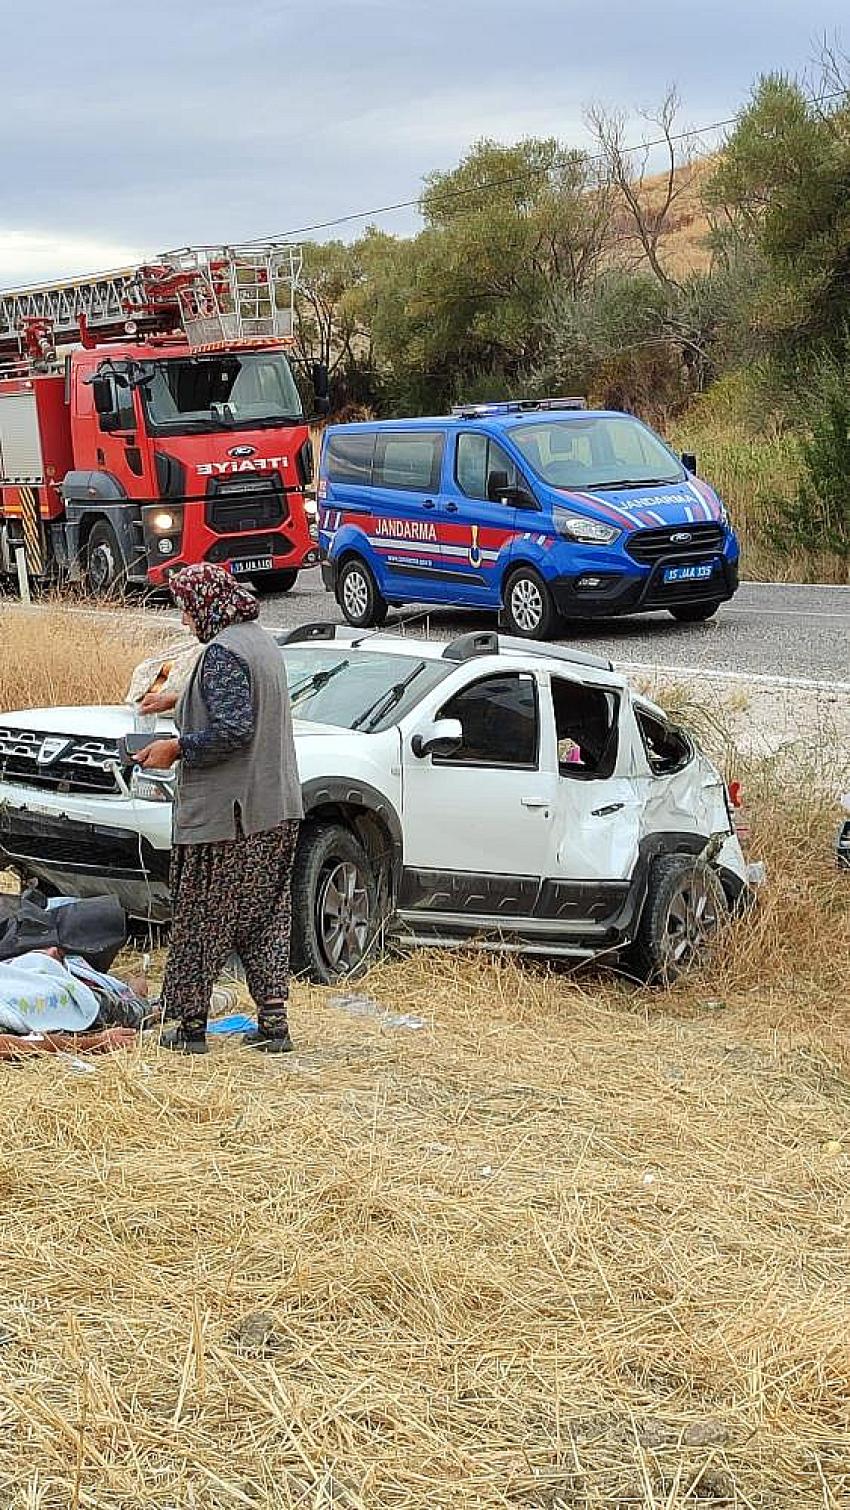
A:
(103, 723)
(111, 723)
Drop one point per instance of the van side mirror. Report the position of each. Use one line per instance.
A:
(499, 490)
(442, 737)
(321, 388)
(689, 462)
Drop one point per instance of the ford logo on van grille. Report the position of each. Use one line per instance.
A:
(681, 537)
(242, 450)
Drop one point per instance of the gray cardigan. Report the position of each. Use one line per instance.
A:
(259, 783)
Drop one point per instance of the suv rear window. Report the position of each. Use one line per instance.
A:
(349, 457)
(408, 460)
(667, 748)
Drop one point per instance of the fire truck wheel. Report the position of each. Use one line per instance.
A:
(105, 568)
(275, 581)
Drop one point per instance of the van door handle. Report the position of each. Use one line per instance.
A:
(428, 504)
(535, 802)
(603, 812)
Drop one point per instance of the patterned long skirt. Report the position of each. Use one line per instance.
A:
(232, 897)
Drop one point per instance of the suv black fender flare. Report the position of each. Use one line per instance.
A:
(653, 847)
(367, 811)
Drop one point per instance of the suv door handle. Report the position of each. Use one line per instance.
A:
(602, 812)
(451, 508)
(428, 504)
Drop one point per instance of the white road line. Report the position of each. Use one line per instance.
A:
(799, 683)
(786, 613)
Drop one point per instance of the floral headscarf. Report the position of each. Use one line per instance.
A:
(212, 598)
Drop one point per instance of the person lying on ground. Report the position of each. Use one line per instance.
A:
(46, 993)
(101, 1041)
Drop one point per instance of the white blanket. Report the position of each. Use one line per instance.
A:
(38, 995)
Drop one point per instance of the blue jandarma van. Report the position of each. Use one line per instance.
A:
(542, 510)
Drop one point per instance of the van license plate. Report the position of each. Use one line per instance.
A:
(688, 573)
(251, 564)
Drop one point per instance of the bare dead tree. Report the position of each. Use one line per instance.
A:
(650, 218)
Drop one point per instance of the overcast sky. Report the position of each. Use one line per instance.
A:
(131, 129)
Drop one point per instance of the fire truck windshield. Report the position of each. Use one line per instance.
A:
(245, 389)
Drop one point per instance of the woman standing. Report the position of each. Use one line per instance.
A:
(236, 814)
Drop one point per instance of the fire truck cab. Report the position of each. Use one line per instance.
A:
(174, 431)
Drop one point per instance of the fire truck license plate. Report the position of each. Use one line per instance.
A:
(251, 564)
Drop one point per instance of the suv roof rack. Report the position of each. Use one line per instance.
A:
(487, 642)
(320, 631)
(516, 406)
(469, 646)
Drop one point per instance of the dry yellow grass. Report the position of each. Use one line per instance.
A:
(51, 655)
(569, 1246)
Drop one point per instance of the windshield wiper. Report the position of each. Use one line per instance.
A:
(315, 683)
(630, 482)
(387, 700)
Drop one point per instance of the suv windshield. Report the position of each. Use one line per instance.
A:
(248, 389)
(348, 688)
(598, 451)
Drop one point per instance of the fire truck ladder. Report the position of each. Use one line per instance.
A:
(101, 300)
(215, 294)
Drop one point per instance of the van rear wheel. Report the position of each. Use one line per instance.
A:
(358, 595)
(529, 608)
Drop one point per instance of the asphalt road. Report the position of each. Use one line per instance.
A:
(767, 630)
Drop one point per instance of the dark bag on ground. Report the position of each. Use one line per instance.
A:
(95, 927)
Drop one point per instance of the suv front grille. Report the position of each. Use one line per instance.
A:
(237, 504)
(58, 763)
(648, 546)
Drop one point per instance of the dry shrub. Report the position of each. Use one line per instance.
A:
(54, 655)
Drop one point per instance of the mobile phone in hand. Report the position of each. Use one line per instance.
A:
(131, 745)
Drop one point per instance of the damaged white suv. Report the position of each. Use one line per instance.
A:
(486, 793)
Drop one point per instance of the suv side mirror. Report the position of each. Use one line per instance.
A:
(440, 738)
(689, 462)
(499, 490)
(321, 388)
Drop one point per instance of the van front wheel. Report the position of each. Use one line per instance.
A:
(694, 613)
(358, 595)
(529, 608)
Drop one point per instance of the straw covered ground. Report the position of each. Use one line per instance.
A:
(567, 1244)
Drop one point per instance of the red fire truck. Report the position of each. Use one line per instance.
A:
(172, 430)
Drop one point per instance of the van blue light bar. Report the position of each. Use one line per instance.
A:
(516, 406)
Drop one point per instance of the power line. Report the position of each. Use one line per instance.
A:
(508, 182)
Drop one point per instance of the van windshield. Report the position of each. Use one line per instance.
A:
(596, 451)
(246, 389)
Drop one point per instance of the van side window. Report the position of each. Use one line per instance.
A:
(585, 728)
(667, 748)
(408, 459)
(349, 457)
(500, 722)
(477, 456)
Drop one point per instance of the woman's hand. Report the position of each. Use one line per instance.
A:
(158, 702)
(159, 756)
